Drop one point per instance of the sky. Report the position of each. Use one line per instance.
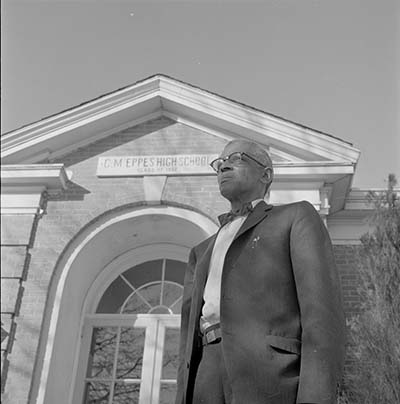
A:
(332, 65)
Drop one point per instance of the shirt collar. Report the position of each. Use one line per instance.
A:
(256, 202)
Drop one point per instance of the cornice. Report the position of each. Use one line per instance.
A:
(47, 176)
(23, 186)
(244, 116)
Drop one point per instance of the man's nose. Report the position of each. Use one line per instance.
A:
(225, 166)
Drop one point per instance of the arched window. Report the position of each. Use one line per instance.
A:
(133, 336)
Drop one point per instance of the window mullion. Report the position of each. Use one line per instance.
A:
(176, 302)
(114, 373)
(162, 281)
(134, 290)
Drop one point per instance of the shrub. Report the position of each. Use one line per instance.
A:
(375, 333)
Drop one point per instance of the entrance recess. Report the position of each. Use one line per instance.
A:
(87, 292)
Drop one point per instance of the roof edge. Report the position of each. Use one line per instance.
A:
(162, 75)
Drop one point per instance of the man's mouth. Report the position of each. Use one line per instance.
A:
(225, 179)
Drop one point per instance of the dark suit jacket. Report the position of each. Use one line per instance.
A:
(282, 321)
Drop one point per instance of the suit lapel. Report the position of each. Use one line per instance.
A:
(258, 214)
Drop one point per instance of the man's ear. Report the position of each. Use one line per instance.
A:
(268, 175)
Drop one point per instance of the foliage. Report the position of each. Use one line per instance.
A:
(375, 333)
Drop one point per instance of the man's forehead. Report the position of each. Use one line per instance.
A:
(237, 146)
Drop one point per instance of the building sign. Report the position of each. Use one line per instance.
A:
(178, 164)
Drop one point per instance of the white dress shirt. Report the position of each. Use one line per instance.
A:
(212, 292)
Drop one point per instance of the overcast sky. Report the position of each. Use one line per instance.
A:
(332, 65)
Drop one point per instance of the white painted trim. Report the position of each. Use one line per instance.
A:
(50, 176)
(286, 156)
(22, 186)
(347, 227)
(200, 221)
(299, 171)
(22, 201)
(294, 186)
(163, 324)
(225, 135)
(245, 116)
(124, 319)
(344, 241)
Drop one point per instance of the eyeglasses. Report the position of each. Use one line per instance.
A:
(233, 158)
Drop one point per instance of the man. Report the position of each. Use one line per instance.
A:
(262, 318)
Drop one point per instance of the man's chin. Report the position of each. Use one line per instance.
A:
(226, 192)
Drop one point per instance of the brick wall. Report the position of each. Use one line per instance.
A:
(345, 256)
(17, 240)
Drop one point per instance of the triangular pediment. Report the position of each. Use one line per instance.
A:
(160, 95)
(299, 153)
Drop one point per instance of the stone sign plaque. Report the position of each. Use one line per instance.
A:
(176, 164)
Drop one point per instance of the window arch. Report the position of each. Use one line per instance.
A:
(155, 286)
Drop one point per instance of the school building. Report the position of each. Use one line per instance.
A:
(100, 207)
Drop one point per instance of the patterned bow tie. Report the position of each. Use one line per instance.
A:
(228, 217)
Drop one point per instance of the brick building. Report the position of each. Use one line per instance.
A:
(100, 207)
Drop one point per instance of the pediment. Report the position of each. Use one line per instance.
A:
(160, 95)
(298, 152)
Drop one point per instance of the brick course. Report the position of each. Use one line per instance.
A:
(345, 256)
(17, 238)
(14, 261)
(16, 229)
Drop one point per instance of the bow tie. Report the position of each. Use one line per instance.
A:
(228, 217)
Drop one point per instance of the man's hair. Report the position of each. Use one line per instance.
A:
(259, 153)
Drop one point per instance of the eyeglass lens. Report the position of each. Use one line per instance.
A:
(232, 158)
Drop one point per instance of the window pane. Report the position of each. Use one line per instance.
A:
(114, 297)
(170, 358)
(141, 274)
(151, 293)
(172, 292)
(175, 271)
(97, 393)
(167, 393)
(102, 352)
(130, 353)
(177, 307)
(126, 393)
(136, 305)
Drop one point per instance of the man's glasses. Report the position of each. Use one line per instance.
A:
(233, 159)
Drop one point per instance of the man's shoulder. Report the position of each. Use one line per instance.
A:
(295, 207)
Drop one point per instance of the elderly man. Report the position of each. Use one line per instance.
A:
(262, 318)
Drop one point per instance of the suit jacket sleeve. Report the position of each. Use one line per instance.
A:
(185, 313)
(320, 303)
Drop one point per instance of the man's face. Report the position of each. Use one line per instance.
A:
(240, 180)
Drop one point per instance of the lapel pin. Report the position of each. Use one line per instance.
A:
(255, 242)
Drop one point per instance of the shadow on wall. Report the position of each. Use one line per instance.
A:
(74, 192)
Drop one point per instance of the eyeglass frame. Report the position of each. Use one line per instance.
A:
(227, 158)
